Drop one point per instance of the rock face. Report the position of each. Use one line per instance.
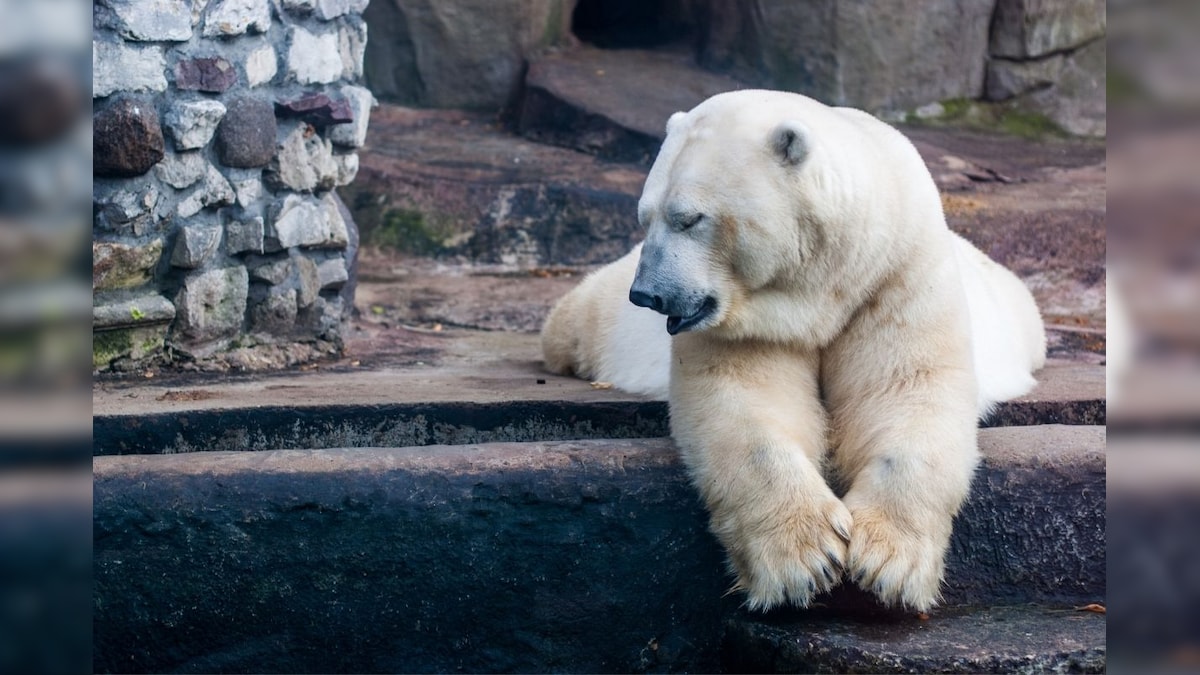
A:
(463, 54)
(877, 56)
(1025, 29)
(219, 73)
(127, 138)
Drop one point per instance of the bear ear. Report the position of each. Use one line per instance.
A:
(790, 142)
(674, 121)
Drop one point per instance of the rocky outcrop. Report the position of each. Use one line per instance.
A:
(462, 54)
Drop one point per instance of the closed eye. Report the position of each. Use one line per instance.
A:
(688, 222)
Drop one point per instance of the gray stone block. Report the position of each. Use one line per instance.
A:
(332, 273)
(215, 191)
(192, 123)
(464, 54)
(235, 17)
(139, 310)
(125, 211)
(304, 221)
(308, 280)
(244, 236)
(274, 314)
(876, 56)
(117, 66)
(195, 245)
(1007, 79)
(347, 168)
(210, 307)
(145, 20)
(273, 272)
(1032, 28)
(182, 170)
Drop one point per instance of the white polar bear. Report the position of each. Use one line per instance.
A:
(829, 329)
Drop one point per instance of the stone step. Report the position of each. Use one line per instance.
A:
(963, 639)
(541, 556)
(612, 103)
(469, 387)
(451, 183)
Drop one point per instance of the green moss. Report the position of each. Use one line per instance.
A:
(407, 231)
(108, 346)
(1008, 117)
(135, 343)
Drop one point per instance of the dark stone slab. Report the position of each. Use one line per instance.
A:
(318, 110)
(246, 135)
(1006, 639)
(559, 557)
(212, 74)
(127, 138)
(611, 103)
(565, 556)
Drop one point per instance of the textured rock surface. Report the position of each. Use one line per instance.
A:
(305, 221)
(261, 66)
(536, 558)
(1027, 639)
(581, 99)
(120, 67)
(313, 58)
(203, 199)
(849, 52)
(303, 162)
(564, 529)
(142, 21)
(210, 306)
(1077, 101)
(119, 265)
(195, 245)
(466, 54)
(1034, 28)
(213, 74)
(192, 123)
(246, 136)
(133, 311)
(126, 138)
(234, 17)
(462, 186)
(354, 133)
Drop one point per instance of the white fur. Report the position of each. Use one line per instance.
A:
(825, 402)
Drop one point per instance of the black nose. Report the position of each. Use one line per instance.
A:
(643, 299)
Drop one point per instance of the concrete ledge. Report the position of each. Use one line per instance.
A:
(567, 556)
(1021, 639)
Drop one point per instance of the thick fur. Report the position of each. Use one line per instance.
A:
(836, 342)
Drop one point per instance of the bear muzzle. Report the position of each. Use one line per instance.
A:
(681, 315)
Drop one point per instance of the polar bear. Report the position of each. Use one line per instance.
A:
(829, 343)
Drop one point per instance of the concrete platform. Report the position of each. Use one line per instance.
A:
(583, 556)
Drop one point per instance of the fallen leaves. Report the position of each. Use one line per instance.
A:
(602, 385)
(1094, 607)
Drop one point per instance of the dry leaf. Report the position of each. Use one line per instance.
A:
(922, 616)
(1093, 607)
(602, 385)
(437, 327)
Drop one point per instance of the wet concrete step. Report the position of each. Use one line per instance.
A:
(545, 556)
(612, 103)
(468, 387)
(1032, 638)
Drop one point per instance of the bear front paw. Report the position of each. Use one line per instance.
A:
(787, 556)
(894, 558)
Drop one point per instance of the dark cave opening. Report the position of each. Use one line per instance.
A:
(625, 24)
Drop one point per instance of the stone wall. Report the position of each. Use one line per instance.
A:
(220, 130)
